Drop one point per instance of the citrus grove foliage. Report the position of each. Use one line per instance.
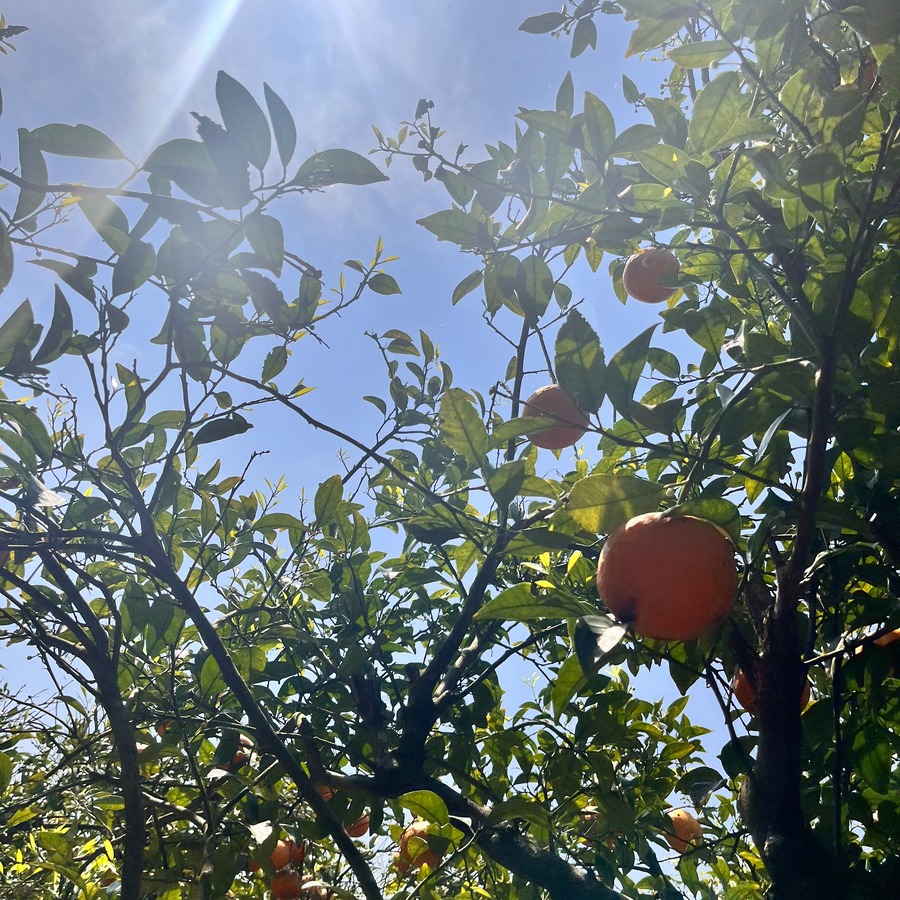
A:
(255, 669)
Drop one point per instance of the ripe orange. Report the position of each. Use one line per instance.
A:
(326, 793)
(359, 827)
(553, 402)
(672, 578)
(888, 638)
(417, 855)
(286, 885)
(685, 831)
(241, 756)
(287, 852)
(649, 273)
(746, 696)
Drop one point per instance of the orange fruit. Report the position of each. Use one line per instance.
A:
(672, 578)
(326, 793)
(287, 852)
(685, 831)
(554, 403)
(286, 885)
(417, 855)
(359, 827)
(649, 273)
(746, 696)
(888, 638)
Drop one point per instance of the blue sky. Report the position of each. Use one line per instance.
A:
(135, 69)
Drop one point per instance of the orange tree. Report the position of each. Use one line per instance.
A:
(252, 672)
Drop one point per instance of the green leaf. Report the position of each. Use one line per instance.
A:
(544, 23)
(569, 680)
(102, 213)
(458, 227)
(282, 125)
(73, 276)
(699, 783)
(665, 163)
(534, 288)
(329, 495)
(266, 236)
(59, 333)
(467, 285)
(520, 604)
(579, 362)
(651, 33)
(599, 125)
(716, 510)
(601, 503)
(75, 140)
(565, 96)
(219, 429)
(133, 268)
(700, 55)
(584, 36)
(211, 680)
(625, 368)
(6, 772)
(276, 360)
(461, 427)
(33, 169)
(244, 120)
(520, 808)
(382, 283)
(337, 167)
(6, 257)
(716, 109)
(505, 482)
(635, 138)
(17, 330)
(595, 638)
(426, 805)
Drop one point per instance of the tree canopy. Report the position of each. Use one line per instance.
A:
(236, 667)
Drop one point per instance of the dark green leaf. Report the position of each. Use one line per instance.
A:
(6, 257)
(102, 213)
(75, 140)
(544, 23)
(244, 120)
(534, 287)
(585, 36)
(218, 429)
(650, 34)
(635, 138)
(699, 783)
(59, 333)
(133, 268)
(426, 805)
(505, 482)
(337, 167)
(382, 283)
(625, 368)
(565, 96)
(276, 360)
(18, 329)
(74, 277)
(282, 125)
(33, 169)
(579, 362)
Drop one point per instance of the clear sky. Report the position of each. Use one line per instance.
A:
(135, 69)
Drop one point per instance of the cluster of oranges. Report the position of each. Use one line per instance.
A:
(415, 851)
